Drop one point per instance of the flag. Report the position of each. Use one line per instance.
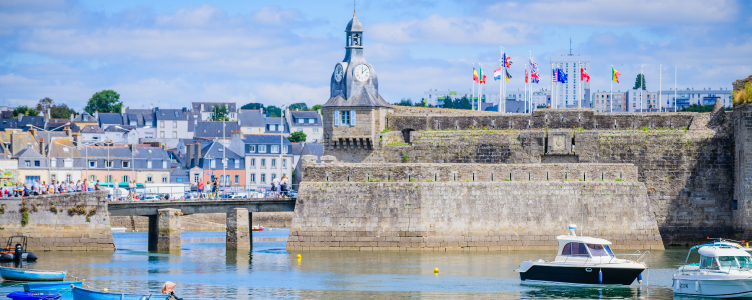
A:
(525, 74)
(561, 76)
(584, 75)
(482, 77)
(534, 78)
(508, 61)
(508, 75)
(475, 76)
(553, 76)
(533, 67)
(497, 74)
(615, 75)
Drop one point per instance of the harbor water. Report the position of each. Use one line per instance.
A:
(204, 270)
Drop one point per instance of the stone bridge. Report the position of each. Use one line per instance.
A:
(164, 217)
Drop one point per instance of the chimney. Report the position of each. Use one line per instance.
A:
(68, 131)
(15, 143)
(189, 156)
(32, 131)
(237, 134)
(77, 139)
(48, 115)
(20, 117)
(122, 110)
(71, 117)
(198, 155)
(261, 109)
(41, 146)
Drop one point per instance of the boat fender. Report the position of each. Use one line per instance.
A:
(697, 286)
(600, 276)
(639, 278)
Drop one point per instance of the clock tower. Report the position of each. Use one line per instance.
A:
(355, 112)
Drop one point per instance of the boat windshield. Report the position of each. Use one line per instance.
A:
(735, 262)
(599, 250)
(574, 249)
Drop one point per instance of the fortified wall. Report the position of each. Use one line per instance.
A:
(684, 160)
(60, 222)
(468, 207)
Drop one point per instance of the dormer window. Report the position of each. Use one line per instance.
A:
(65, 149)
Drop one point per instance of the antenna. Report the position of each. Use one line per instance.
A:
(353, 8)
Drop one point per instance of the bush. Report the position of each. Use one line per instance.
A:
(742, 96)
(24, 218)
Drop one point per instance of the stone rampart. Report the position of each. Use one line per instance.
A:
(72, 221)
(468, 216)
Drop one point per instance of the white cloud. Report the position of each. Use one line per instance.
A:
(288, 93)
(453, 30)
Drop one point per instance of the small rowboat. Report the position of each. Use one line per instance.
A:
(53, 286)
(33, 296)
(87, 294)
(14, 274)
(257, 228)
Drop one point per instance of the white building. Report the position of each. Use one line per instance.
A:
(684, 98)
(436, 97)
(566, 94)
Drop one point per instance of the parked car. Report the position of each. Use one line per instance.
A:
(151, 197)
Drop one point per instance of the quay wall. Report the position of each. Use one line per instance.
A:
(469, 216)
(60, 222)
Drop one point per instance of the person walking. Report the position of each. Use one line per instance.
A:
(284, 185)
(275, 186)
(200, 188)
(96, 185)
(132, 189)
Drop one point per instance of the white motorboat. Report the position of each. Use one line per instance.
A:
(723, 271)
(583, 260)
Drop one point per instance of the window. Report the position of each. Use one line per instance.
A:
(345, 117)
(227, 179)
(253, 178)
(237, 164)
(68, 178)
(65, 149)
(27, 163)
(311, 121)
(108, 164)
(161, 124)
(251, 148)
(161, 134)
(253, 162)
(164, 164)
(574, 249)
(263, 162)
(148, 164)
(93, 178)
(68, 163)
(213, 164)
(599, 250)
(274, 148)
(284, 163)
(126, 164)
(179, 180)
(300, 121)
(174, 124)
(37, 163)
(92, 164)
(287, 149)
(274, 162)
(221, 149)
(53, 163)
(149, 135)
(707, 262)
(108, 178)
(195, 178)
(164, 179)
(126, 178)
(274, 176)
(263, 178)
(298, 129)
(237, 179)
(262, 148)
(315, 130)
(148, 178)
(174, 134)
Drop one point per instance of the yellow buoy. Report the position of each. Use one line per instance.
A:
(105, 290)
(299, 256)
(436, 270)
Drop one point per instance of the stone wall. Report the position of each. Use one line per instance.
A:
(468, 216)
(206, 222)
(73, 221)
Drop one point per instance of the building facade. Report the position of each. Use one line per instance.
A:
(568, 94)
(602, 102)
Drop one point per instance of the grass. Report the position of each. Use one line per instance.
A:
(742, 96)
(24, 218)
(397, 144)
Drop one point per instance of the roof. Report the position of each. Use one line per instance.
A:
(56, 148)
(92, 129)
(110, 118)
(208, 106)
(144, 117)
(119, 128)
(179, 172)
(297, 148)
(582, 239)
(48, 135)
(363, 98)
(304, 114)
(212, 151)
(714, 251)
(80, 118)
(213, 129)
(151, 153)
(172, 114)
(354, 25)
(193, 117)
(251, 118)
(264, 139)
(313, 149)
(28, 153)
(36, 121)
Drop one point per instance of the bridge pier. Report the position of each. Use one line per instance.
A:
(239, 234)
(164, 230)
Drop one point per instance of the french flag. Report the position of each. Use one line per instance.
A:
(497, 74)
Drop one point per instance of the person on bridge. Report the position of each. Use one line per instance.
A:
(200, 188)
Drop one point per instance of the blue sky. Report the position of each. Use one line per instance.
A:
(168, 53)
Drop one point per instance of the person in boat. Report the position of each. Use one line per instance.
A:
(169, 289)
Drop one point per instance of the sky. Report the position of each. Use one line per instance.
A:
(169, 53)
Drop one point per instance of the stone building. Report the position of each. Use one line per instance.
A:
(355, 114)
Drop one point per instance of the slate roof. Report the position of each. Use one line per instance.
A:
(313, 149)
(354, 25)
(193, 117)
(80, 118)
(264, 139)
(297, 148)
(115, 129)
(144, 117)
(208, 106)
(110, 119)
(48, 135)
(275, 121)
(211, 151)
(305, 115)
(212, 129)
(362, 98)
(251, 118)
(36, 121)
(120, 152)
(56, 124)
(172, 114)
(151, 153)
(92, 129)
(28, 153)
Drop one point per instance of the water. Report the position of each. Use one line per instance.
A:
(203, 270)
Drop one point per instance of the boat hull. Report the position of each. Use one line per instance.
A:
(12, 274)
(714, 288)
(33, 296)
(87, 294)
(53, 286)
(538, 274)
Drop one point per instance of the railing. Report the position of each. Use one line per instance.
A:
(191, 192)
(637, 256)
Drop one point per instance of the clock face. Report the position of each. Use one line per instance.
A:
(338, 73)
(362, 72)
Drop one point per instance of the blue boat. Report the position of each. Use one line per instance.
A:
(13, 274)
(33, 296)
(52, 286)
(87, 294)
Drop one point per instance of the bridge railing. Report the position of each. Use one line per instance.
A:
(191, 192)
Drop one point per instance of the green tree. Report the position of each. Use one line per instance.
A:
(44, 104)
(423, 103)
(57, 111)
(252, 106)
(448, 103)
(25, 110)
(405, 102)
(698, 108)
(299, 106)
(219, 113)
(104, 102)
(316, 107)
(463, 103)
(640, 82)
(273, 111)
(297, 136)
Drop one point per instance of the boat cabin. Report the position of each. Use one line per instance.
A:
(724, 258)
(583, 246)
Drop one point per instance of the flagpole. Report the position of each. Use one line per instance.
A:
(660, 84)
(552, 83)
(531, 81)
(611, 101)
(501, 80)
(473, 95)
(675, 110)
(480, 85)
(642, 80)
